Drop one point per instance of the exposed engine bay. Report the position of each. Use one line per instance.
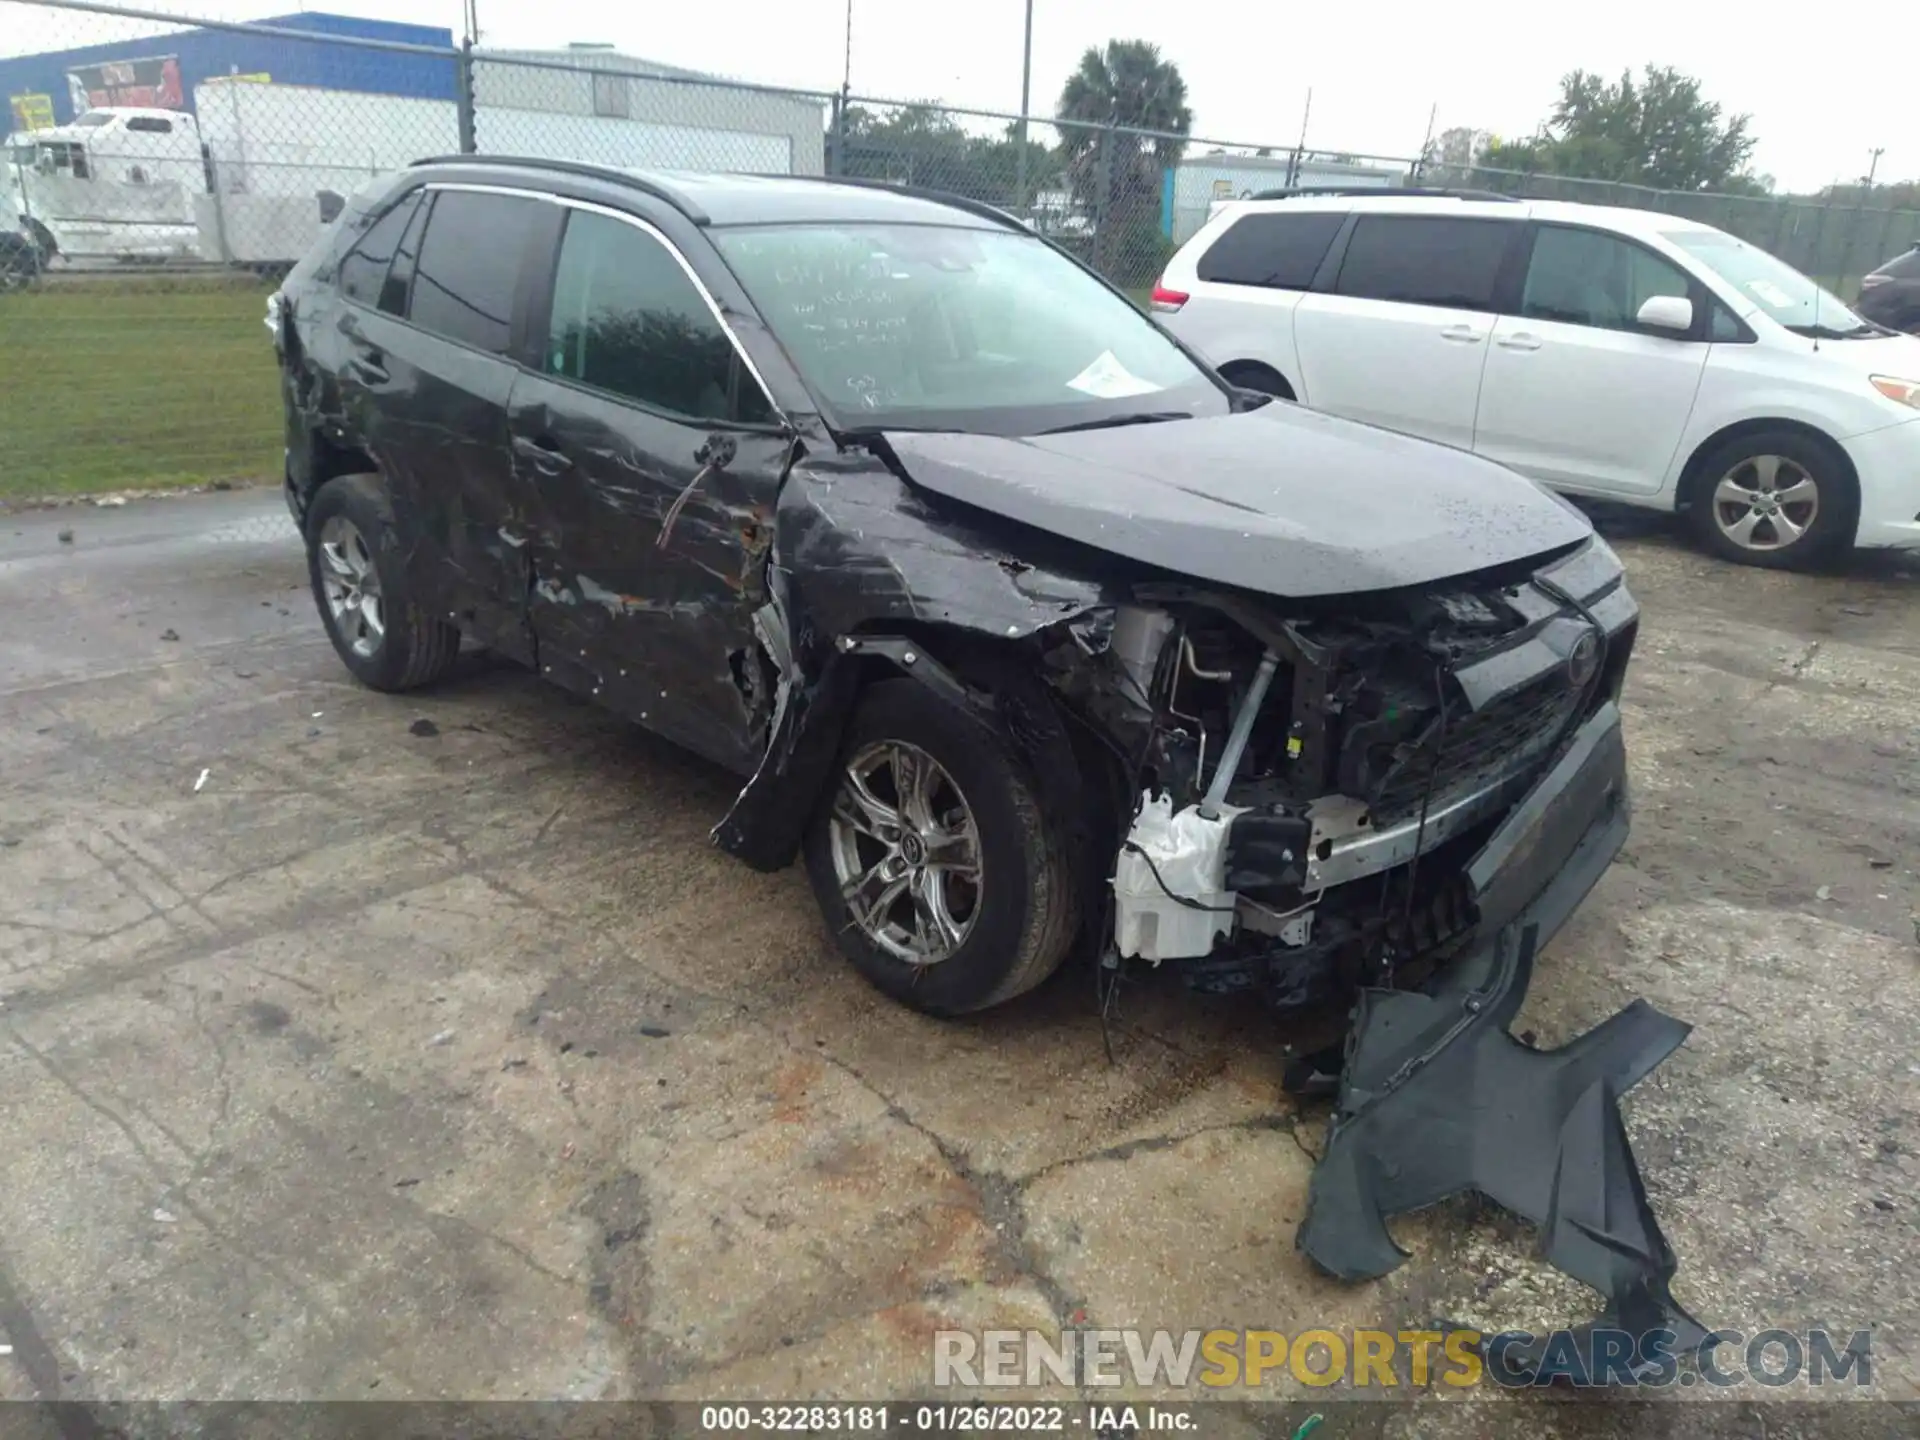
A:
(1310, 782)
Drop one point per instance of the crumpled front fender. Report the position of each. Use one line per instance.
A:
(858, 552)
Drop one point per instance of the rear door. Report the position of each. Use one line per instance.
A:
(1245, 285)
(1400, 339)
(426, 332)
(1576, 391)
(653, 457)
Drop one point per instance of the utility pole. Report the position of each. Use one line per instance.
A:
(1299, 150)
(1873, 162)
(846, 66)
(1020, 129)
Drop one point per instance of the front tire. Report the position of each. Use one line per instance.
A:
(365, 596)
(934, 865)
(1778, 499)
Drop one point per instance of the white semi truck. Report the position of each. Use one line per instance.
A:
(252, 179)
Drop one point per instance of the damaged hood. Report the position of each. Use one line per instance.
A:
(1279, 500)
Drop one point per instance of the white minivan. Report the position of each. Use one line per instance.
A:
(1619, 354)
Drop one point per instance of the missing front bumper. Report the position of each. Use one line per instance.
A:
(1437, 1097)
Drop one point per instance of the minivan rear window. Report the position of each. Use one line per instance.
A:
(1275, 250)
(1444, 260)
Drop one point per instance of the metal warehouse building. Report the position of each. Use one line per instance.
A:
(592, 102)
(163, 70)
(587, 102)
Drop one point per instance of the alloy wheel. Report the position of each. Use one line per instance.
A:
(351, 584)
(906, 853)
(1766, 502)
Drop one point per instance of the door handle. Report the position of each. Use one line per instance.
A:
(1522, 341)
(371, 366)
(543, 453)
(1461, 335)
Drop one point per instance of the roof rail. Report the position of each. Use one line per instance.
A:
(576, 167)
(921, 192)
(1436, 192)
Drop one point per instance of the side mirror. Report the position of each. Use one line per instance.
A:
(1667, 312)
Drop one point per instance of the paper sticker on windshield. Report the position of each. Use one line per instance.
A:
(1107, 379)
(1771, 294)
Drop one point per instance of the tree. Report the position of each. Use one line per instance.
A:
(1658, 131)
(925, 146)
(1116, 176)
(914, 145)
(1451, 156)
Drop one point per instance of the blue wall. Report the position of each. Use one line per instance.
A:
(205, 54)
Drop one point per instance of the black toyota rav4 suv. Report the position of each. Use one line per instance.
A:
(1026, 629)
(1023, 627)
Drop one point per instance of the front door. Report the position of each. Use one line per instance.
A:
(653, 459)
(1576, 391)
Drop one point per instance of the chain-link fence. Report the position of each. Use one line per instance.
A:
(161, 173)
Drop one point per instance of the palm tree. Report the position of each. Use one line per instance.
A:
(1129, 84)
(1126, 86)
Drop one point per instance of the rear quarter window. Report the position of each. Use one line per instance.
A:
(363, 268)
(1274, 251)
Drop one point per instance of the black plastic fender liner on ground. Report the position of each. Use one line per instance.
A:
(1437, 1097)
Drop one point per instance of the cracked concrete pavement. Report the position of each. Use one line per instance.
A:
(461, 1065)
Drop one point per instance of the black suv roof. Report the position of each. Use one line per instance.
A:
(720, 198)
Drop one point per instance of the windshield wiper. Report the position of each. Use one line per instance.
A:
(1827, 332)
(1139, 417)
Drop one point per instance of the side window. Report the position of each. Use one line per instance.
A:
(469, 267)
(399, 281)
(627, 320)
(1722, 328)
(1280, 251)
(1587, 277)
(150, 125)
(1425, 260)
(364, 267)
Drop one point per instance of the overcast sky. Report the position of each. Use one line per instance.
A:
(1376, 71)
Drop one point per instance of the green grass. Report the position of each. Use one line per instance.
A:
(123, 384)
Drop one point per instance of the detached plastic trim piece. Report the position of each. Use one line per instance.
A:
(1437, 1097)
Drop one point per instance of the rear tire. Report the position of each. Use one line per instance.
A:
(365, 596)
(1778, 499)
(1004, 933)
